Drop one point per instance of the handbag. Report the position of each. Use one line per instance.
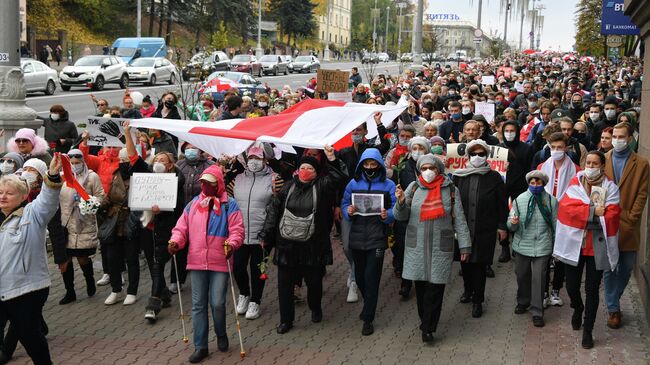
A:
(295, 228)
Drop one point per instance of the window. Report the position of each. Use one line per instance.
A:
(335, 39)
(28, 68)
(330, 37)
(322, 34)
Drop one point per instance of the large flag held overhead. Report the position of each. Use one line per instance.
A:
(310, 124)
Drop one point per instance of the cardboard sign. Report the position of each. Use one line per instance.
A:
(487, 80)
(107, 131)
(346, 96)
(485, 109)
(332, 81)
(497, 158)
(147, 190)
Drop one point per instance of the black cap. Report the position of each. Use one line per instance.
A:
(310, 160)
(557, 114)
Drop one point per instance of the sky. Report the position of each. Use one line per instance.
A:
(559, 20)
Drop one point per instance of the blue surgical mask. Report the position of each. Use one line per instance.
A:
(456, 116)
(536, 190)
(192, 154)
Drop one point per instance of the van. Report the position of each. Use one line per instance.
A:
(129, 48)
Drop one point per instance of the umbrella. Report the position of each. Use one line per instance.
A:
(529, 51)
(218, 84)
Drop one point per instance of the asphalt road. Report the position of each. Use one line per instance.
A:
(79, 105)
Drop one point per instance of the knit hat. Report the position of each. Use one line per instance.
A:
(37, 164)
(432, 160)
(310, 160)
(422, 141)
(437, 139)
(17, 158)
(26, 133)
(476, 143)
(537, 174)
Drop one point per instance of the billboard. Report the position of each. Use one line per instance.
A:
(614, 21)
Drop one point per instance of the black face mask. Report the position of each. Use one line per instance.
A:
(115, 115)
(169, 104)
(371, 173)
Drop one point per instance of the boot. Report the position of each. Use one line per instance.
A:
(505, 252)
(90, 279)
(68, 282)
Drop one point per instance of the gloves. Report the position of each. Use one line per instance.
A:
(112, 129)
(172, 248)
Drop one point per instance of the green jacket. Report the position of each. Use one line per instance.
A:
(537, 238)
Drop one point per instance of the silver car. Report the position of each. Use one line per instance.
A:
(306, 64)
(38, 76)
(274, 64)
(150, 70)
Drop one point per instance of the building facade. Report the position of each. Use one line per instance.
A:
(454, 36)
(340, 33)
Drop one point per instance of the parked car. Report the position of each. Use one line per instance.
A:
(274, 64)
(129, 48)
(95, 72)
(246, 63)
(150, 70)
(370, 57)
(289, 60)
(202, 64)
(406, 57)
(38, 76)
(306, 64)
(383, 57)
(246, 84)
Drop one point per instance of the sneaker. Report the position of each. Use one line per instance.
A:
(105, 280)
(173, 288)
(242, 304)
(353, 296)
(253, 311)
(555, 298)
(547, 301)
(150, 315)
(130, 299)
(113, 298)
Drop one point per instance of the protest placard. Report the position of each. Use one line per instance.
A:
(487, 80)
(147, 190)
(332, 81)
(106, 131)
(485, 109)
(497, 158)
(346, 96)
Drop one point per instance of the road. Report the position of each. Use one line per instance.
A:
(79, 105)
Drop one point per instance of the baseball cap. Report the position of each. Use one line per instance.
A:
(557, 114)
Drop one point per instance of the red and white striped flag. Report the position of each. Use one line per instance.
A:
(572, 216)
(310, 124)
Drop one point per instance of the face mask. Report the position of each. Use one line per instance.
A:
(536, 190)
(477, 161)
(208, 189)
(594, 117)
(610, 114)
(436, 150)
(78, 168)
(262, 104)
(255, 165)
(403, 141)
(506, 92)
(169, 104)
(54, 116)
(159, 167)
(192, 154)
(29, 177)
(6, 167)
(619, 144)
(592, 173)
(466, 110)
(306, 175)
(357, 138)
(428, 175)
(371, 173)
(452, 92)
(509, 136)
(416, 154)
(456, 116)
(557, 155)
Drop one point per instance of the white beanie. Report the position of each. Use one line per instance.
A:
(37, 164)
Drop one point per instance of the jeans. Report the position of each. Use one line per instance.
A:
(531, 275)
(249, 256)
(118, 251)
(212, 286)
(616, 281)
(25, 313)
(592, 285)
(368, 266)
(345, 239)
(429, 300)
(474, 280)
(313, 276)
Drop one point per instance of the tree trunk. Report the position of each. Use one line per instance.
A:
(152, 14)
(168, 37)
(161, 19)
(197, 35)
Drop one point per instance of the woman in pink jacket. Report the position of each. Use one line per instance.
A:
(212, 225)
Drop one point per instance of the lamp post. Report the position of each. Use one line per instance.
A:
(375, 15)
(326, 53)
(386, 39)
(139, 25)
(400, 19)
(417, 34)
(259, 51)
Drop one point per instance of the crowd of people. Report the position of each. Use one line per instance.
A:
(569, 205)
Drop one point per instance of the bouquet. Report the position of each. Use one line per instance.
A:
(89, 206)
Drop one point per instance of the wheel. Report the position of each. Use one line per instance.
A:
(50, 88)
(286, 70)
(275, 71)
(124, 81)
(65, 87)
(172, 79)
(260, 73)
(152, 81)
(99, 83)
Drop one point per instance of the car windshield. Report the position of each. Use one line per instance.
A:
(234, 76)
(303, 59)
(124, 51)
(241, 58)
(197, 57)
(269, 58)
(143, 62)
(89, 61)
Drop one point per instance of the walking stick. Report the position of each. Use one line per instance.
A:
(242, 353)
(180, 301)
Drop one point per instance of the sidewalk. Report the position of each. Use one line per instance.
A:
(88, 332)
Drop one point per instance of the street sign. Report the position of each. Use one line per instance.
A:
(478, 33)
(478, 40)
(614, 41)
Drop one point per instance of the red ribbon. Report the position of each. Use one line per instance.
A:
(70, 180)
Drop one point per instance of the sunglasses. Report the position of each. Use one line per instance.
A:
(76, 156)
(20, 140)
(480, 154)
(102, 104)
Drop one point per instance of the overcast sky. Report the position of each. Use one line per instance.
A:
(559, 22)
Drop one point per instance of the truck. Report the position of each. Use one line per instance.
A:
(131, 48)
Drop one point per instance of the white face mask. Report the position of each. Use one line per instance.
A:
(594, 117)
(610, 114)
(557, 155)
(262, 104)
(159, 167)
(255, 165)
(620, 144)
(428, 175)
(416, 154)
(592, 172)
(477, 161)
(466, 110)
(7, 167)
(54, 116)
(29, 177)
(78, 168)
(509, 136)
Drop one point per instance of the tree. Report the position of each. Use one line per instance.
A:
(589, 41)
(295, 18)
(220, 37)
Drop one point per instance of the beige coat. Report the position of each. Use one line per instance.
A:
(82, 229)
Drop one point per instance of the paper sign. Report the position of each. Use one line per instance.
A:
(147, 190)
(106, 131)
(485, 109)
(346, 96)
(497, 158)
(332, 81)
(487, 80)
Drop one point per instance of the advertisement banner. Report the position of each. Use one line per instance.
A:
(614, 21)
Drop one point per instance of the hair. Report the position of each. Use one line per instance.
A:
(596, 105)
(16, 182)
(455, 104)
(625, 125)
(473, 121)
(410, 129)
(548, 105)
(609, 130)
(233, 102)
(169, 93)
(600, 155)
(565, 120)
(170, 156)
(57, 108)
(557, 137)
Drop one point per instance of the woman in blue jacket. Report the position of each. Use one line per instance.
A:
(369, 227)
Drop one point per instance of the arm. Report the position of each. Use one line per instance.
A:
(130, 146)
(73, 135)
(402, 212)
(336, 174)
(641, 197)
(236, 231)
(273, 214)
(46, 204)
(460, 226)
(514, 212)
(502, 203)
(347, 201)
(93, 162)
(181, 230)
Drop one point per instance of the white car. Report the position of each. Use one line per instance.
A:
(38, 76)
(95, 72)
(150, 70)
(383, 57)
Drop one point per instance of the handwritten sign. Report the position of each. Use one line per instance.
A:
(332, 81)
(485, 109)
(497, 158)
(487, 80)
(346, 96)
(147, 190)
(106, 131)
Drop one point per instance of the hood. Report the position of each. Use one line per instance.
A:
(371, 153)
(215, 171)
(40, 146)
(517, 135)
(80, 69)
(139, 68)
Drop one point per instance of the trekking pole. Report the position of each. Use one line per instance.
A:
(180, 301)
(242, 353)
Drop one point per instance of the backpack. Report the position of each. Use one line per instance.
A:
(295, 228)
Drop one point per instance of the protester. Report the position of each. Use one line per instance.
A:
(60, 132)
(10, 163)
(28, 145)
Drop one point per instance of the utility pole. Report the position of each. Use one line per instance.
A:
(386, 40)
(417, 34)
(139, 25)
(478, 27)
(258, 50)
(14, 114)
(326, 53)
(533, 15)
(505, 29)
(400, 19)
(375, 15)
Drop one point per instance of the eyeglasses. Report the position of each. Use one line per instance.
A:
(21, 140)
(480, 154)
(75, 156)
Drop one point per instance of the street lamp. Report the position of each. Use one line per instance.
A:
(375, 15)
(386, 40)
(259, 51)
(417, 34)
(326, 53)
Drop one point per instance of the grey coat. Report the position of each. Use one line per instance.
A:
(429, 251)
(253, 193)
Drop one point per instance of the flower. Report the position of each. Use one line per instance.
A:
(90, 206)
(264, 265)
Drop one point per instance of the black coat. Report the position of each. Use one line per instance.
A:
(520, 158)
(350, 156)
(486, 210)
(317, 251)
(60, 129)
(173, 114)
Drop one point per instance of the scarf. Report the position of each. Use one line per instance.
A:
(536, 201)
(472, 170)
(204, 203)
(432, 207)
(398, 153)
(566, 172)
(588, 183)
